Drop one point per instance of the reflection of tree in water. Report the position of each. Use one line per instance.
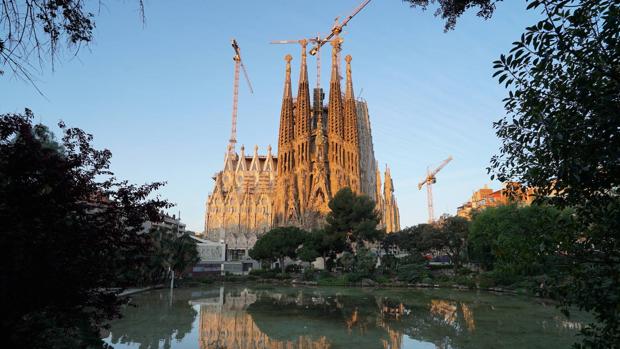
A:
(155, 319)
(352, 319)
(309, 318)
(346, 320)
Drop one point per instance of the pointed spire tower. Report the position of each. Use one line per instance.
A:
(335, 129)
(303, 124)
(351, 135)
(286, 134)
(392, 218)
(286, 194)
(302, 114)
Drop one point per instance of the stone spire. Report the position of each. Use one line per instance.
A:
(255, 164)
(351, 136)
(378, 191)
(241, 163)
(350, 110)
(336, 150)
(286, 135)
(303, 120)
(334, 111)
(269, 166)
(302, 114)
(392, 219)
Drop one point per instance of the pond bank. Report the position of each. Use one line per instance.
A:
(135, 290)
(365, 283)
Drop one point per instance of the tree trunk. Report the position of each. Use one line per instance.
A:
(282, 264)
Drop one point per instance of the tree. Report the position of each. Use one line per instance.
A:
(277, 244)
(561, 136)
(320, 243)
(417, 239)
(354, 216)
(452, 238)
(65, 222)
(509, 238)
(450, 10)
(171, 251)
(36, 29)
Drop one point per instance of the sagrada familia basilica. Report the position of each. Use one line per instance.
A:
(321, 149)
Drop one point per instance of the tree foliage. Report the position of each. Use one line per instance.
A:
(451, 238)
(320, 243)
(277, 244)
(65, 222)
(34, 30)
(171, 251)
(353, 216)
(561, 136)
(511, 239)
(451, 10)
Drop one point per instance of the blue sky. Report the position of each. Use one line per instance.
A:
(159, 96)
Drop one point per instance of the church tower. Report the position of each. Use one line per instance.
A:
(351, 135)
(303, 124)
(335, 128)
(286, 207)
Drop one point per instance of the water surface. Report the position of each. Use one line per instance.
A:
(320, 318)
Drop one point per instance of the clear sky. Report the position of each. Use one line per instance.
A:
(159, 96)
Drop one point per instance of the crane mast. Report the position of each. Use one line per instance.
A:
(238, 66)
(429, 180)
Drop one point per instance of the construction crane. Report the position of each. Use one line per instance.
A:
(315, 40)
(337, 28)
(238, 63)
(429, 180)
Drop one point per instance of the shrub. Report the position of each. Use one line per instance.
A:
(427, 281)
(334, 281)
(486, 280)
(309, 274)
(264, 273)
(346, 261)
(412, 272)
(389, 264)
(382, 279)
(365, 262)
(355, 277)
(293, 268)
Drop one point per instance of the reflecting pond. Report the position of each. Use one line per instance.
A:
(316, 318)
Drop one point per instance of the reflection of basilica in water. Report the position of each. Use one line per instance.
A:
(270, 317)
(253, 319)
(224, 323)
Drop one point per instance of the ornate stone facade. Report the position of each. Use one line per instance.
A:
(321, 149)
(241, 204)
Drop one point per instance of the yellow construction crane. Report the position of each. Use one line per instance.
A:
(238, 63)
(337, 28)
(429, 180)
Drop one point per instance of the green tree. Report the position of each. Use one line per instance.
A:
(418, 239)
(353, 216)
(561, 136)
(65, 222)
(172, 251)
(320, 243)
(277, 244)
(510, 238)
(451, 238)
